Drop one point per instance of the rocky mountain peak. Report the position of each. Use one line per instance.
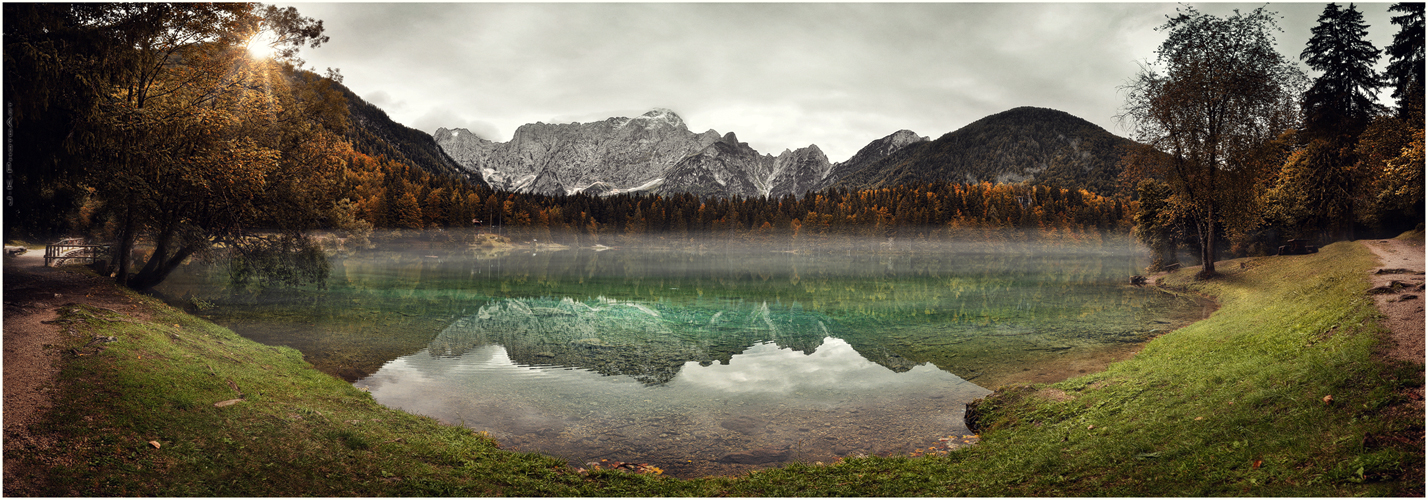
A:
(902, 138)
(730, 139)
(459, 134)
(875, 151)
(610, 156)
(658, 117)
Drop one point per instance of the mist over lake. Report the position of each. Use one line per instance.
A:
(703, 356)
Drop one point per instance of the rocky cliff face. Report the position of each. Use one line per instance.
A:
(797, 172)
(729, 167)
(654, 152)
(614, 155)
(723, 168)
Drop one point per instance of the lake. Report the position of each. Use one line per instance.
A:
(710, 358)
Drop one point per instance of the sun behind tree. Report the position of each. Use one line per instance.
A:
(262, 44)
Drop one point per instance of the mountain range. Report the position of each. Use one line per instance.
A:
(657, 153)
(654, 152)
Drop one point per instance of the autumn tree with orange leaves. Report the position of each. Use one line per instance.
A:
(180, 136)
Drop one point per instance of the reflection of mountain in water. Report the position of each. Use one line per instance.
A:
(987, 312)
(647, 342)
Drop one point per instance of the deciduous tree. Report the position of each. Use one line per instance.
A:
(1219, 93)
(181, 137)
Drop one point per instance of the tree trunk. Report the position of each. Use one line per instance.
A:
(157, 272)
(1207, 246)
(123, 247)
(161, 251)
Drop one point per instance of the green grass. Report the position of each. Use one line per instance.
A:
(27, 245)
(1414, 236)
(1232, 405)
(295, 432)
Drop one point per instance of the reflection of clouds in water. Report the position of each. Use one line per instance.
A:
(434, 366)
(460, 390)
(765, 368)
(485, 389)
(486, 375)
(419, 383)
(550, 408)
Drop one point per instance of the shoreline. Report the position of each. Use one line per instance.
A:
(323, 425)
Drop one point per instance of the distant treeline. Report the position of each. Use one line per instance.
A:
(395, 195)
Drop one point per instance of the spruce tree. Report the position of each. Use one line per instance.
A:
(1341, 100)
(1405, 61)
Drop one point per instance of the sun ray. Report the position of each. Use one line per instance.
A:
(262, 44)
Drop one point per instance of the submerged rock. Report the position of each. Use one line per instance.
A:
(755, 457)
(743, 425)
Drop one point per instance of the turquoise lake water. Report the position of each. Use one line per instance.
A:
(710, 359)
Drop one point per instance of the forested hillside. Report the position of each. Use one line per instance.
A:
(375, 134)
(1036, 145)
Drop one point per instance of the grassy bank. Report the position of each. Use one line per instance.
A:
(1233, 405)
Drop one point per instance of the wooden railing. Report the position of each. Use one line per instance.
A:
(72, 249)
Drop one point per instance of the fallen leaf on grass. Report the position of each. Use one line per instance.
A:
(1329, 399)
(230, 402)
(1257, 463)
(155, 444)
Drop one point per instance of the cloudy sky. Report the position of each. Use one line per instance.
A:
(781, 76)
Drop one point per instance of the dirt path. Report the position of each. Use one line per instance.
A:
(31, 356)
(1398, 291)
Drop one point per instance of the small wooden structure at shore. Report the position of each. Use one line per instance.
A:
(69, 249)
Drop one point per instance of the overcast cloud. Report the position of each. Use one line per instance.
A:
(781, 76)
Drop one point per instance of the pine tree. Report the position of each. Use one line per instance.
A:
(1341, 101)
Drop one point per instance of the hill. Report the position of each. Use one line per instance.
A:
(1026, 144)
(373, 133)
